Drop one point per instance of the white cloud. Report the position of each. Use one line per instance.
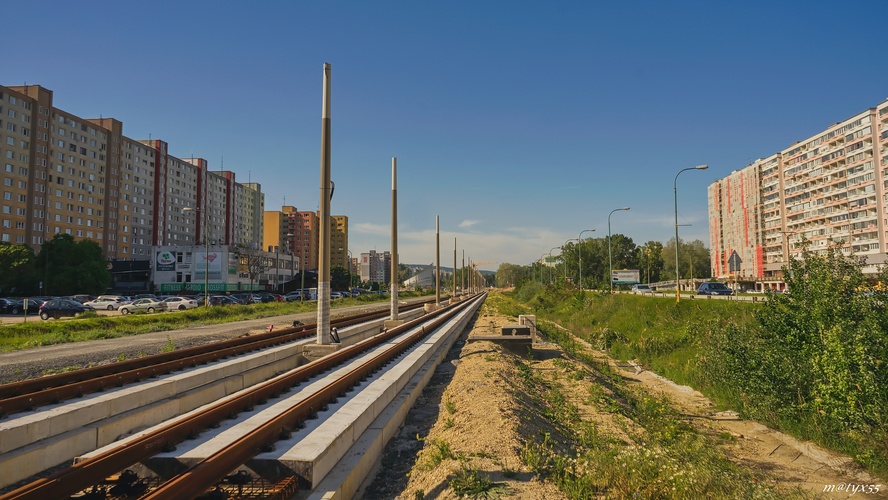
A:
(468, 223)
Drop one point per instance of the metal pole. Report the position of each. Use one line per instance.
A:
(323, 324)
(394, 271)
(437, 262)
(564, 259)
(580, 254)
(463, 280)
(675, 198)
(610, 260)
(453, 284)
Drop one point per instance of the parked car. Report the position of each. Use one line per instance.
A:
(57, 308)
(294, 296)
(106, 302)
(180, 303)
(264, 297)
(6, 305)
(714, 288)
(146, 304)
(34, 304)
(82, 298)
(640, 288)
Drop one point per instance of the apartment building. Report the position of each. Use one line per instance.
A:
(376, 267)
(292, 229)
(82, 176)
(827, 189)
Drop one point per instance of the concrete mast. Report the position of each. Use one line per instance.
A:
(394, 272)
(437, 263)
(323, 334)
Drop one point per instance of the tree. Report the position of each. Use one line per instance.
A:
(71, 267)
(510, 275)
(18, 264)
(251, 261)
(651, 258)
(339, 278)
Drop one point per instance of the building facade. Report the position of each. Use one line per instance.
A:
(376, 267)
(827, 189)
(82, 176)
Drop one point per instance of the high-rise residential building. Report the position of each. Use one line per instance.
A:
(339, 241)
(297, 230)
(82, 176)
(827, 189)
(376, 267)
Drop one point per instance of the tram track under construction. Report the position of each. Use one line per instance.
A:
(268, 420)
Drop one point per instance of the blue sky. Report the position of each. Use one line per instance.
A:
(519, 123)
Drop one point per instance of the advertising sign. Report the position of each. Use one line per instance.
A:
(204, 261)
(165, 261)
(625, 276)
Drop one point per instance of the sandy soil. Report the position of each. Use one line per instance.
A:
(470, 417)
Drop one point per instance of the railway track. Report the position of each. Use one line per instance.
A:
(30, 394)
(312, 390)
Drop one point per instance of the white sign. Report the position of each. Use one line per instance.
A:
(625, 277)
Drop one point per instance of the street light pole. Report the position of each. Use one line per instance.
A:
(675, 197)
(292, 257)
(564, 259)
(552, 272)
(580, 254)
(610, 260)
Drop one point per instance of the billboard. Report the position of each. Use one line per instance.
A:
(625, 276)
(204, 261)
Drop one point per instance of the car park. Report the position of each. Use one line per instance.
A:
(34, 304)
(641, 288)
(714, 288)
(180, 303)
(58, 308)
(146, 304)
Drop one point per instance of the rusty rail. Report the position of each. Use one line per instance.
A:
(28, 394)
(93, 470)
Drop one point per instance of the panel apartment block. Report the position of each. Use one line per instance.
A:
(828, 189)
(83, 177)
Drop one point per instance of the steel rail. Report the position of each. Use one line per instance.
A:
(197, 479)
(86, 473)
(28, 394)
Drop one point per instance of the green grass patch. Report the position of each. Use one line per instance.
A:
(91, 326)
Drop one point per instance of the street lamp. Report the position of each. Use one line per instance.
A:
(610, 260)
(675, 196)
(551, 273)
(580, 254)
(206, 254)
(564, 259)
(541, 267)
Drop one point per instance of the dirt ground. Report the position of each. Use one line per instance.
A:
(470, 419)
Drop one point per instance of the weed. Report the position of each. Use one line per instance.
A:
(437, 452)
(449, 405)
(121, 357)
(170, 345)
(472, 483)
(448, 423)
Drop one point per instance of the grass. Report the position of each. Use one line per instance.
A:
(664, 337)
(91, 326)
(666, 457)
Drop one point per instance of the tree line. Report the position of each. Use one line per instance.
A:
(62, 267)
(590, 258)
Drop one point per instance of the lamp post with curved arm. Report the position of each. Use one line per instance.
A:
(675, 196)
(551, 272)
(610, 260)
(564, 259)
(541, 266)
(580, 254)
